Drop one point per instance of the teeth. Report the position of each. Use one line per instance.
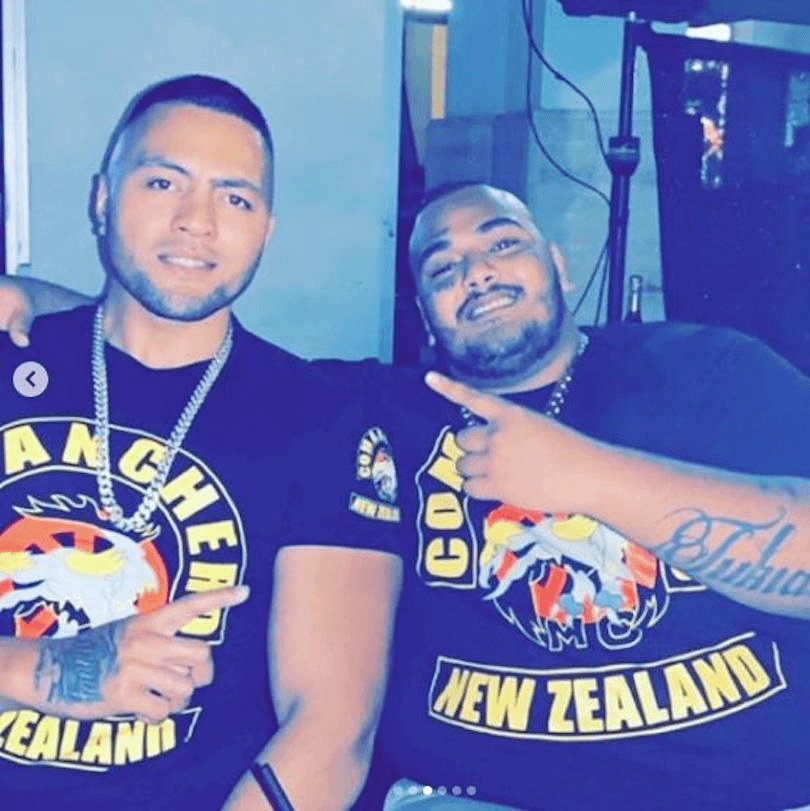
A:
(186, 262)
(501, 301)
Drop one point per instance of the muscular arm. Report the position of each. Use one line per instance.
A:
(22, 299)
(330, 632)
(745, 536)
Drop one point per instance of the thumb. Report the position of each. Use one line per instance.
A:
(172, 617)
(487, 406)
(19, 325)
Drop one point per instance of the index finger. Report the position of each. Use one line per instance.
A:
(487, 406)
(172, 617)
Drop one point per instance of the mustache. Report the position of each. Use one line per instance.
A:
(473, 298)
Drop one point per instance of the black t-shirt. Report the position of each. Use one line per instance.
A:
(270, 460)
(546, 662)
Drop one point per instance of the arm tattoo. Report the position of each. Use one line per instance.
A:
(74, 670)
(704, 547)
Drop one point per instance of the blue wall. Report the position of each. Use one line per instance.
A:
(326, 74)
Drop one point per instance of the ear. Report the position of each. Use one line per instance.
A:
(101, 196)
(271, 229)
(431, 338)
(558, 260)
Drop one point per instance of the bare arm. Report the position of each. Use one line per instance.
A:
(22, 299)
(330, 633)
(745, 536)
(136, 665)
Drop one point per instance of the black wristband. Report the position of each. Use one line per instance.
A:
(271, 788)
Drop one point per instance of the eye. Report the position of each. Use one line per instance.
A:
(161, 183)
(238, 201)
(504, 244)
(440, 270)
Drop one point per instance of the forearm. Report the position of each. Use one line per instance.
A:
(747, 537)
(47, 297)
(319, 764)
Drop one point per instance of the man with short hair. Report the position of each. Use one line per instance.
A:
(153, 471)
(565, 637)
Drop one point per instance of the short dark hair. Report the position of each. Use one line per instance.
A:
(210, 92)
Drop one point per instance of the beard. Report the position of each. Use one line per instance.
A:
(174, 306)
(506, 356)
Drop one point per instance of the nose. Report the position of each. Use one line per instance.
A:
(196, 215)
(479, 271)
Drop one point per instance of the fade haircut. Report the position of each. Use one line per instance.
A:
(209, 92)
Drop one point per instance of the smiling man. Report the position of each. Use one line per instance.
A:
(589, 615)
(153, 472)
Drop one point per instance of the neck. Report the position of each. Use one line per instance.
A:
(157, 342)
(546, 370)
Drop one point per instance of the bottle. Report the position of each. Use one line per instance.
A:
(633, 315)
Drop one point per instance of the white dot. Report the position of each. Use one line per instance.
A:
(441, 790)
(427, 790)
(471, 791)
(412, 790)
(456, 790)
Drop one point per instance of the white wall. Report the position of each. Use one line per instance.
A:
(326, 74)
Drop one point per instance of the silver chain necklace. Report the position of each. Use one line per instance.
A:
(558, 394)
(138, 521)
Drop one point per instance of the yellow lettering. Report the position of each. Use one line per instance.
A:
(448, 701)
(653, 713)
(20, 732)
(208, 577)
(160, 737)
(620, 705)
(141, 459)
(129, 741)
(6, 719)
(67, 748)
(444, 468)
(45, 743)
(22, 448)
(443, 511)
(185, 496)
(561, 691)
(98, 748)
(684, 696)
(447, 558)
(749, 672)
(508, 702)
(80, 446)
(211, 535)
(586, 704)
(473, 696)
(716, 679)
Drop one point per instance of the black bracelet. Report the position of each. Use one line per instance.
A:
(271, 788)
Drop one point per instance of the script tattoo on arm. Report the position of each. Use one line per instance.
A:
(716, 550)
(74, 670)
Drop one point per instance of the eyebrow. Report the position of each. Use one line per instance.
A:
(219, 183)
(443, 243)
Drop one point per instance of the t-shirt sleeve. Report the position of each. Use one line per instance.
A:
(345, 490)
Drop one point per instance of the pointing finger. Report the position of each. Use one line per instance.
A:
(474, 439)
(172, 617)
(487, 406)
(19, 326)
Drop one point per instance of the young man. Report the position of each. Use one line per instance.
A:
(152, 470)
(544, 659)
(566, 638)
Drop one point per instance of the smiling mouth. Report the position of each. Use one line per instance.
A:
(186, 262)
(484, 306)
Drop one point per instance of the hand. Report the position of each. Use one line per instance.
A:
(518, 457)
(16, 311)
(137, 665)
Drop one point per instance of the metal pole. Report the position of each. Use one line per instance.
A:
(623, 157)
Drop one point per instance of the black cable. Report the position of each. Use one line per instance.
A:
(599, 261)
(528, 23)
(602, 286)
(530, 115)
